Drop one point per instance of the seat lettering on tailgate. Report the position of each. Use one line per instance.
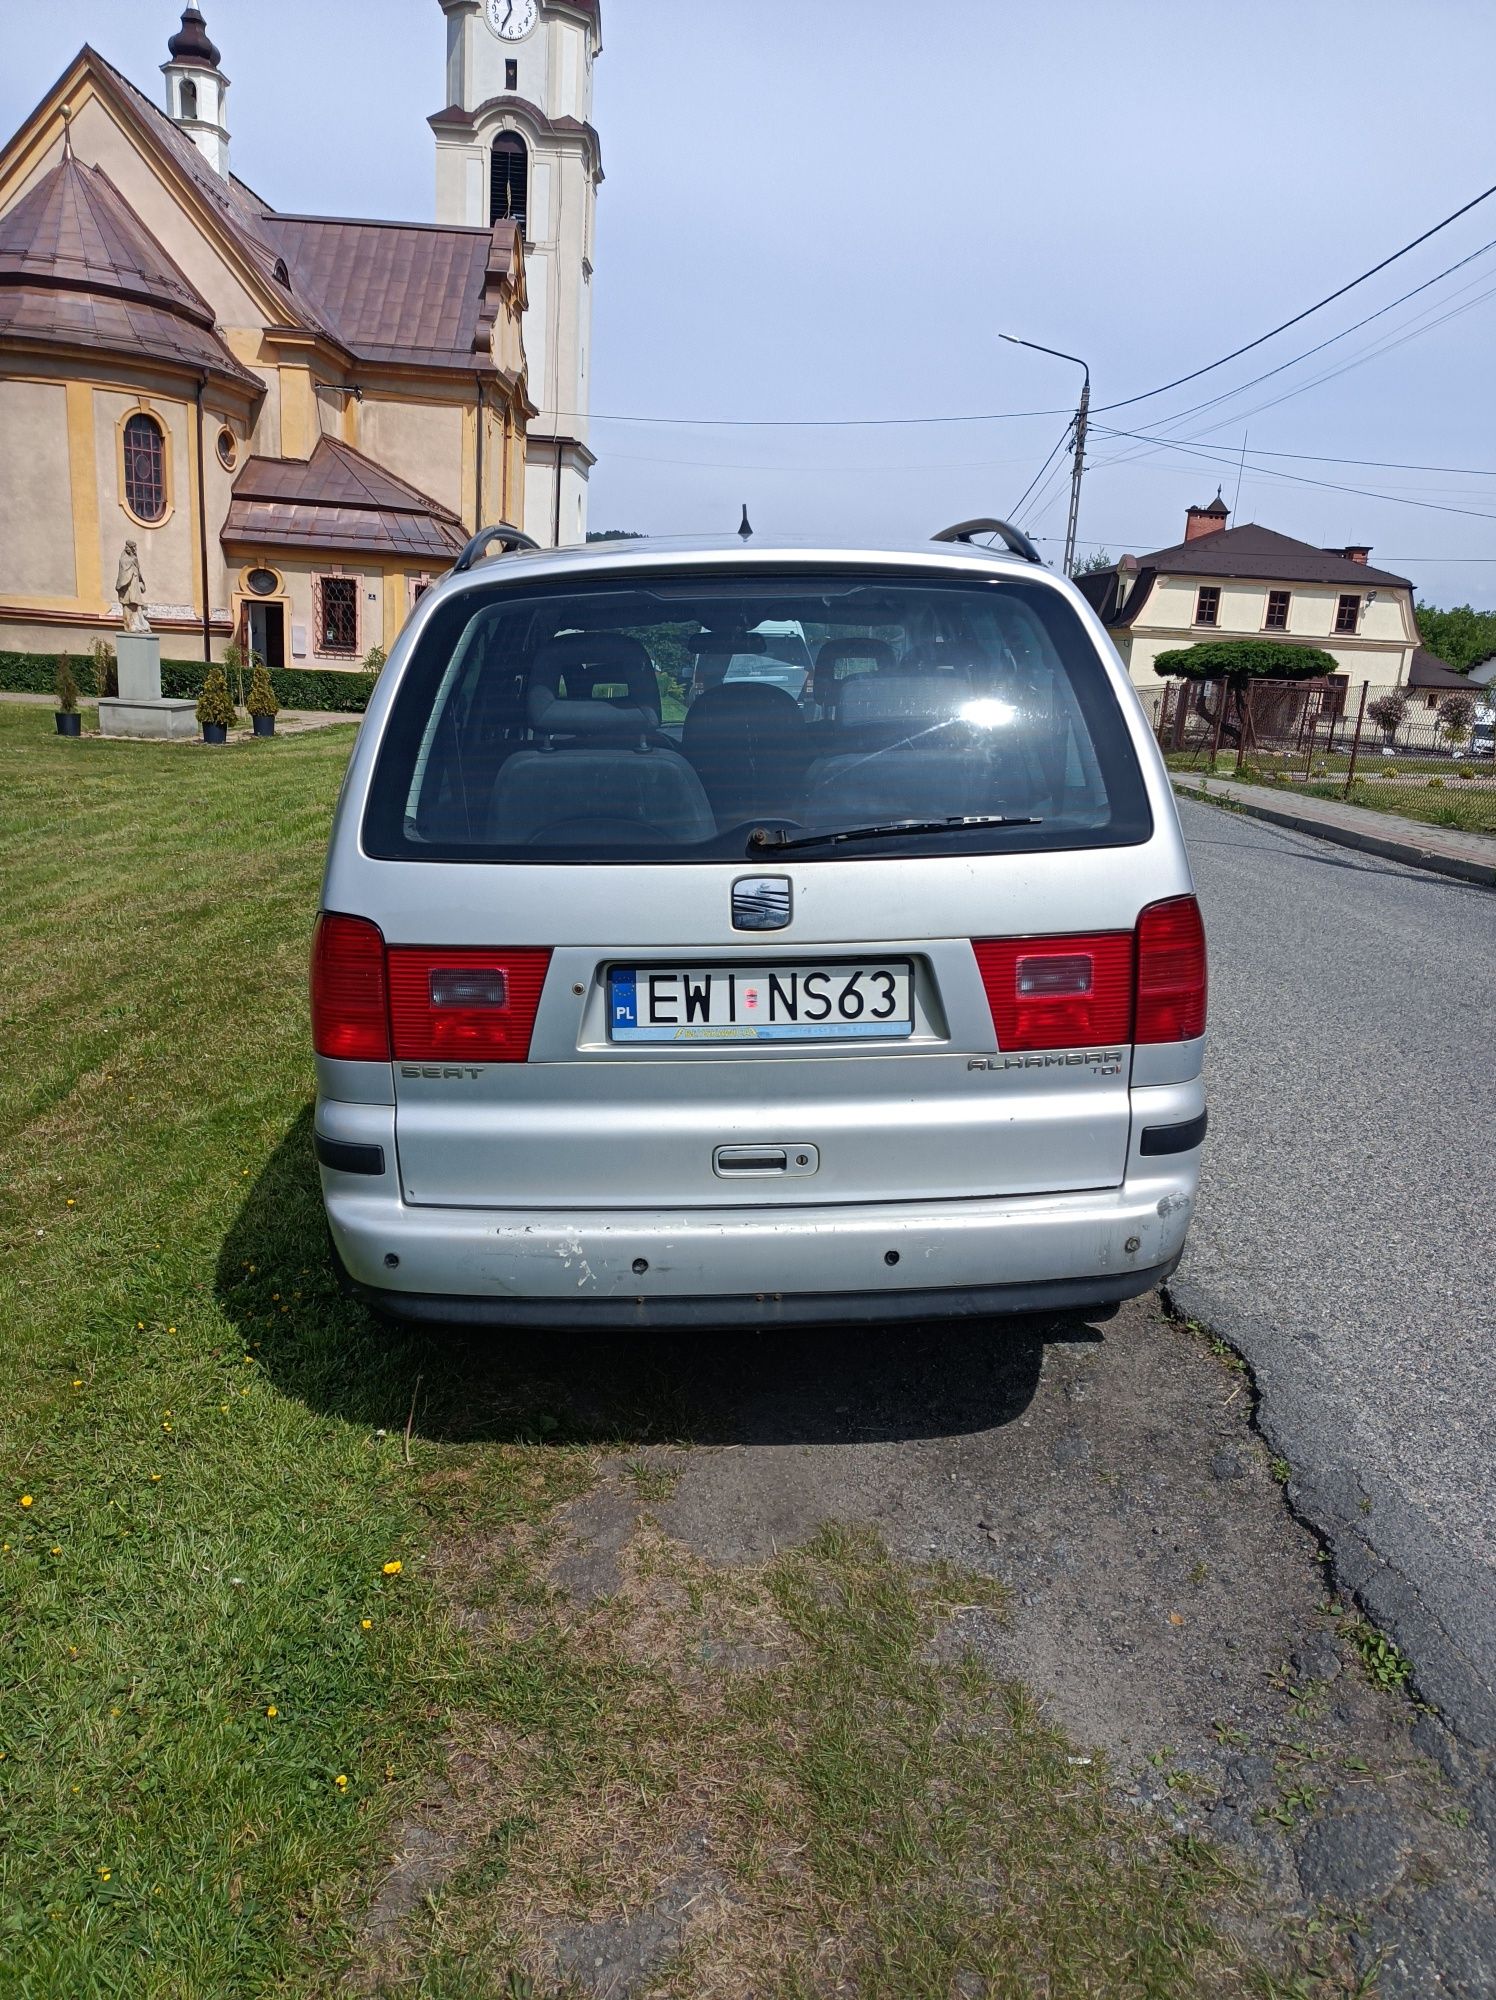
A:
(437, 1072)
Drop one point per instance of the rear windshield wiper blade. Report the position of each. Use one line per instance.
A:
(776, 837)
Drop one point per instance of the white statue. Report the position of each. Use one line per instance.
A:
(129, 588)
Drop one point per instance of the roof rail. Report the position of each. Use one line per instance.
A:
(1017, 541)
(512, 539)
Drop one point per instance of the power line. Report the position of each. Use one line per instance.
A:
(1300, 479)
(811, 423)
(1017, 508)
(1329, 299)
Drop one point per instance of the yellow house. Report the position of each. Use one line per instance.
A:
(1253, 583)
(297, 419)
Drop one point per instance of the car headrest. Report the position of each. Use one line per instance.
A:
(901, 698)
(581, 664)
(831, 655)
(740, 709)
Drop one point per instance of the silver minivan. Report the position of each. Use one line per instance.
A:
(648, 995)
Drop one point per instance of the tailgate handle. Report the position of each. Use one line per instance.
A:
(765, 1160)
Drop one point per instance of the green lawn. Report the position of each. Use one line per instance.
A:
(246, 1618)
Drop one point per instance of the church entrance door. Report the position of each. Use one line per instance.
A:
(267, 633)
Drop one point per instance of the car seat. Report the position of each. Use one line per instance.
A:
(747, 742)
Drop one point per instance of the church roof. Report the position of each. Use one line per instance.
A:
(191, 45)
(1251, 553)
(399, 292)
(421, 294)
(78, 267)
(338, 500)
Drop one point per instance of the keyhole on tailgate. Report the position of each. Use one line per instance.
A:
(641, 1265)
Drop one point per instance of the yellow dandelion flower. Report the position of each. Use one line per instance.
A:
(55, 1550)
(155, 1478)
(367, 1624)
(341, 1782)
(275, 1295)
(390, 1568)
(171, 1329)
(140, 1326)
(71, 1202)
(77, 1381)
(25, 1499)
(272, 1711)
(166, 1427)
(104, 1874)
(224, 1407)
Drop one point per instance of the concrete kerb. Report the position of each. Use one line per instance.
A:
(1365, 839)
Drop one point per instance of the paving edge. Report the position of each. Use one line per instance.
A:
(1481, 873)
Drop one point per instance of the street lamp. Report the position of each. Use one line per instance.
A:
(1079, 458)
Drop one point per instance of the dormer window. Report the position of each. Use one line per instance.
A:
(282, 275)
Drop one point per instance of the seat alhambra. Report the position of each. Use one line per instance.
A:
(648, 991)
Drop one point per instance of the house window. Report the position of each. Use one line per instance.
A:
(509, 184)
(1348, 613)
(1208, 605)
(1277, 610)
(228, 449)
(337, 614)
(418, 586)
(511, 74)
(145, 467)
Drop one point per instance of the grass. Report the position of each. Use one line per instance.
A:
(1464, 805)
(248, 1635)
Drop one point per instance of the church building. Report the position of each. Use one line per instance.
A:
(297, 419)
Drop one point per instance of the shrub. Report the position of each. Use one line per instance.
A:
(1465, 771)
(105, 669)
(66, 684)
(374, 659)
(1388, 712)
(233, 670)
(332, 688)
(261, 699)
(1243, 660)
(215, 704)
(1456, 714)
(1435, 784)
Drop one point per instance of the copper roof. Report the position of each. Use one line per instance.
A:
(565, 127)
(338, 501)
(400, 292)
(78, 267)
(190, 44)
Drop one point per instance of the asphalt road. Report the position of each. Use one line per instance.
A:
(1346, 1239)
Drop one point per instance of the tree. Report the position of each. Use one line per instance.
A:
(614, 535)
(1088, 565)
(1462, 638)
(1388, 712)
(1456, 715)
(1237, 663)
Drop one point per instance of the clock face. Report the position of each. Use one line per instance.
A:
(511, 20)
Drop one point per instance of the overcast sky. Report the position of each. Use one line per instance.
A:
(831, 208)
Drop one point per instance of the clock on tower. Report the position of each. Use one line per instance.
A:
(511, 20)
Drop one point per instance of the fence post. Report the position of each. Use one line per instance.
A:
(1245, 723)
(1350, 776)
(1311, 716)
(1220, 724)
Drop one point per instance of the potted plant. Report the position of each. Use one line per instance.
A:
(69, 722)
(215, 707)
(261, 700)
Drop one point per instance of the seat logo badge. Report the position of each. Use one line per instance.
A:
(761, 903)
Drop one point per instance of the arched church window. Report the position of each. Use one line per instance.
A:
(189, 98)
(510, 183)
(145, 467)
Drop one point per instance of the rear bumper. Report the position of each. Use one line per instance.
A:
(761, 1266)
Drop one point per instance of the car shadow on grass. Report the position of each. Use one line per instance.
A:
(276, 1282)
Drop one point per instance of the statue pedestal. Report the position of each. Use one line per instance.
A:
(139, 708)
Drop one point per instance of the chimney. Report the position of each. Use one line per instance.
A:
(1206, 520)
(1357, 552)
(197, 90)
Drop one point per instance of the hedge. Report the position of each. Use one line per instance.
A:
(295, 687)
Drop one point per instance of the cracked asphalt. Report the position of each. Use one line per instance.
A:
(1346, 1237)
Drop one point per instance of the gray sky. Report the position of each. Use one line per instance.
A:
(829, 208)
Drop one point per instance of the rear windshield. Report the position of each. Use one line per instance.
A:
(843, 717)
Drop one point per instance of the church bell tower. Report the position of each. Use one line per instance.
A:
(516, 141)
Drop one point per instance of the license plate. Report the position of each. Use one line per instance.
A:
(779, 1003)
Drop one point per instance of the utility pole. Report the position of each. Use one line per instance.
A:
(1078, 447)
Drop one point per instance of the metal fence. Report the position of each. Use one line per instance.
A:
(1324, 733)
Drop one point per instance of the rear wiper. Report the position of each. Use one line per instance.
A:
(765, 836)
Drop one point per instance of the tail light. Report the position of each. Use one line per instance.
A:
(1172, 981)
(1101, 987)
(372, 1002)
(1058, 992)
(350, 1017)
(463, 1006)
